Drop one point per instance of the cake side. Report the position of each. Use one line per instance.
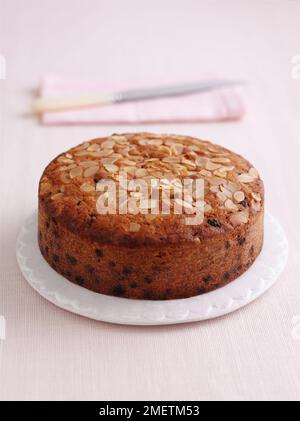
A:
(150, 272)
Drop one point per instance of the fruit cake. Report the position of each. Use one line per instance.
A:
(145, 255)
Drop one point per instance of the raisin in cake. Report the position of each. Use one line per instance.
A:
(146, 256)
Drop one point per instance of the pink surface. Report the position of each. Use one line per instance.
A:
(51, 354)
(217, 105)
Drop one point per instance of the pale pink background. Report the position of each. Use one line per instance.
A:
(51, 354)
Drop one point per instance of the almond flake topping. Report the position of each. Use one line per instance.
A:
(89, 172)
(239, 218)
(239, 196)
(245, 178)
(76, 172)
(166, 157)
(57, 196)
(86, 187)
(253, 172)
(111, 168)
(134, 227)
(256, 196)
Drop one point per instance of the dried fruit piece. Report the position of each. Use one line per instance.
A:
(214, 223)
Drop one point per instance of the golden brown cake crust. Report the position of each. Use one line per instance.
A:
(161, 258)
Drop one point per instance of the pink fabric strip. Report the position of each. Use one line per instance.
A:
(219, 105)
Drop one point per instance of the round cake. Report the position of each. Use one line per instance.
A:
(144, 252)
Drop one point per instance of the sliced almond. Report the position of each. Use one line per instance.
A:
(67, 167)
(239, 218)
(233, 187)
(86, 187)
(188, 162)
(108, 144)
(81, 153)
(245, 178)
(128, 162)
(211, 166)
(206, 173)
(134, 227)
(93, 148)
(119, 138)
(221, 196)
(201, 161)
(239, 196)
(89, 172)
(65, 178)
(220, 174)
(207, 208)
(216, 181)
(230, 205)
(76, 172)
(214, 189)
(57, 196)
(102, 154)
(109, 161)
(141, 172)
(87, 164)
(65, 160)
(227, 192)
(221, 160)
(256, 196)
(253, 172)
(111, 168)
(226, 168)
(155, 142)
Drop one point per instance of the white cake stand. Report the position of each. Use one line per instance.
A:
(59, 291)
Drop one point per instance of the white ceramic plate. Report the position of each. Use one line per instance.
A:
(252, 284)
